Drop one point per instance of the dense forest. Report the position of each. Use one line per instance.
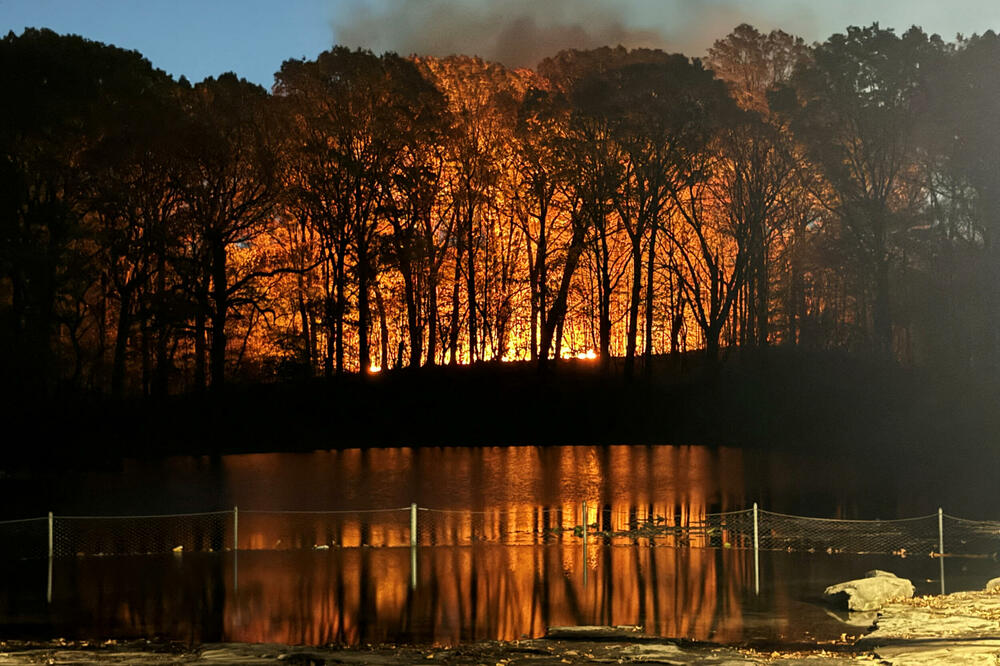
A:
(374, 212)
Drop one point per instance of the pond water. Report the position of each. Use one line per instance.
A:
(356, 580)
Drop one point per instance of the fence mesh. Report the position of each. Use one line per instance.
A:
(142, 535)
(971, 537)
(527, 525)
(916, 536)
(319, 530)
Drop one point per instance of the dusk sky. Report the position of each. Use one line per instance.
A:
(199, 38)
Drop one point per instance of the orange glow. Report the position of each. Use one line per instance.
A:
(484, 592)
(497, 556)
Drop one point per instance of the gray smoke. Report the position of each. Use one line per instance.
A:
(520, 33)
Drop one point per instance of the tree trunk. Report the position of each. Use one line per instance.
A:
(161, 379)
(364, 306)
(470, 278)
(762, 294)
(306, 331)
(340, 287)
(412, 315)
(540, 276)
(633, 308)
(383, 330)
(330, 314)
(557, 312)
(604, 325)
(533, 328)
(676, 325)
(199, 338)
(880, 316)
(712, 334)
(651, 255)
(455, 307)
(147, 357)
(432, 316)
(220, 303)
(121, 342)
(796, 296)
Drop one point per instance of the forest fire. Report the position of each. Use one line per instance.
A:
(610, 203)
(400, 349)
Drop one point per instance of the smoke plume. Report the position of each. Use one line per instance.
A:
(520, 33)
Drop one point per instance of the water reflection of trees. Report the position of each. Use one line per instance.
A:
(483, 592)
(500, 559)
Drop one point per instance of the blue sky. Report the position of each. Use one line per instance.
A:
(199, 38)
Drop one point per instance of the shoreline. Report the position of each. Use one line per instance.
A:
(961, 627)
(537, 652)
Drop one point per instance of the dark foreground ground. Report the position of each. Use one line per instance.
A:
(541, 652)
(959, 628)
(767, 398)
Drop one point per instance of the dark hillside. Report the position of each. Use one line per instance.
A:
(776, 398)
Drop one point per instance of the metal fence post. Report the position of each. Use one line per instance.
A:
(48, 587)
(941, 544)
(236, 548)
(585, 544)
(413, 545)
(756, 551)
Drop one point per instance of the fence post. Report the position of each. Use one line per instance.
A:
(236, 548)
(413, 545)
(585, 544)
(48, 587)
(941, 544)
(756, 551)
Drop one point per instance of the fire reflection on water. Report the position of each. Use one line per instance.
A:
(512, 495)
(498, 556)
(363, 595)
(483, 592)
(493, 561)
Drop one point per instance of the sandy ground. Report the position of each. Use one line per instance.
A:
(960, 628)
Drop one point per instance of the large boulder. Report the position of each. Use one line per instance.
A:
(869, 593)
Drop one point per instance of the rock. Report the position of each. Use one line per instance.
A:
(875, 573)
(958, 628)
(592, 633)
(858, 620)
(870, 593)
(993, 586)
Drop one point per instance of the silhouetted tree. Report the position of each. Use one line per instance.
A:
(856, 110)
(229, 195)
(761, 156)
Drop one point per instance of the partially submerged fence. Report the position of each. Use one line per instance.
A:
(937, 535)
(238, 529)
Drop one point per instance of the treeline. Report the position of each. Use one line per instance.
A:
(380, 211)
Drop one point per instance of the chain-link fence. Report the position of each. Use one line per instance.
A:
(320, 530)
(142, 535)
(237, 529)
(902, 537)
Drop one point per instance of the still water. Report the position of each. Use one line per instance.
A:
(361, 583)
